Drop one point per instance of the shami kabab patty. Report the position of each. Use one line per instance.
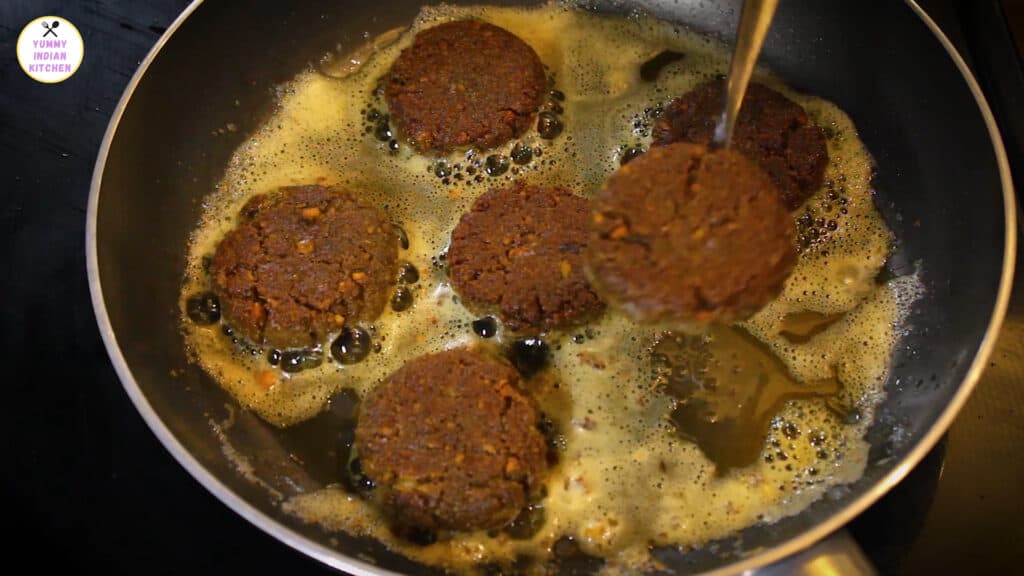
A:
(464, 83)
(303, 262)
(771, 129)
(519, 251)
(452, 442)
(684, 234)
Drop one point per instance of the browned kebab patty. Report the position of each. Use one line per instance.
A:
(519, 250)
(682, 234)
(302, 262)
(771, 129)
(452, 442)
(464, 83)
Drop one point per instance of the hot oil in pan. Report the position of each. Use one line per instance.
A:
(641, 461)
(727, 388)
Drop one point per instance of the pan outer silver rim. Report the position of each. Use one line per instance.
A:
(360, 568)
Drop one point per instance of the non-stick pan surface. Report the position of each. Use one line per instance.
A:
(942, 180)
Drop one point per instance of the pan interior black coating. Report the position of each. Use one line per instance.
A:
(646, 484)
(938, 183)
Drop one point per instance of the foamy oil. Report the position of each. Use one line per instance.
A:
(637, 412)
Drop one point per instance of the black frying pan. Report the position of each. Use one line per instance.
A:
(943, 186)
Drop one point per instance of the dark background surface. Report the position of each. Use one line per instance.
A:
(89, 486)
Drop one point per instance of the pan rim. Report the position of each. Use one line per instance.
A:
(337, 560)
(170, 442)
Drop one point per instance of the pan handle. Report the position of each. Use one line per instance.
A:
(838, 554)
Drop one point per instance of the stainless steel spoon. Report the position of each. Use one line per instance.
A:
(755, 18)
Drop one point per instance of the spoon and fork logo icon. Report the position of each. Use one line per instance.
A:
(51, 28)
